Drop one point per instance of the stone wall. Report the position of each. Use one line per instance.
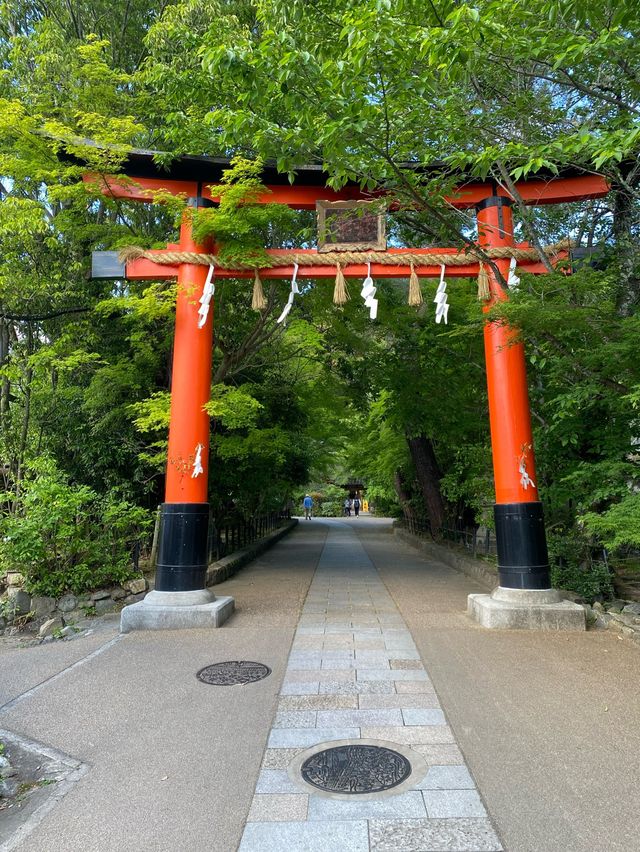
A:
(53, 615)
(454, 556)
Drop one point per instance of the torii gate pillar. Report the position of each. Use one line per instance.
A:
(181, 598)
(524, 597)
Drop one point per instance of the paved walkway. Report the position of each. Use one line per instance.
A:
(526, 740)
(354, 672)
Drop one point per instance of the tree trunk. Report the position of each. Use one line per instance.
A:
(26, 417)
(404, 497)
(428, 475)
(624, 217)
(5, 388)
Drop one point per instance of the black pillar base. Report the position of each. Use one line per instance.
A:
(182, 547)
(523, 561)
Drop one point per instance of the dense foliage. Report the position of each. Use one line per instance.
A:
(497, 88)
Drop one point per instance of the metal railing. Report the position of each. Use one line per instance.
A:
(478, 542)
(225, 536)
(230, 534)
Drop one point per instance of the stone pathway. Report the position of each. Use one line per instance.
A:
(354, 674)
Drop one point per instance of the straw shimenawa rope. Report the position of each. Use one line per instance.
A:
(343, 258)
(340, 293)
(415, 293)
(483, 283)
(258, 301)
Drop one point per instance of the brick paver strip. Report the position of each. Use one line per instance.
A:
(354, 673)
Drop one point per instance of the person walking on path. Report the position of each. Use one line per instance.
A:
(356, 506)
(308, 506)
(347, 507)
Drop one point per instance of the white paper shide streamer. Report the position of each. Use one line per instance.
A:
(368, 293)
(525, 479)
(197, 463)
(205, 300)
(292, 295)
(442, 306)
(512, 278)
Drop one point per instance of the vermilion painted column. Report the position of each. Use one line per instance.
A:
(184, 522)
(523, 562)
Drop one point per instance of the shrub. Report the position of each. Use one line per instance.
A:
(590, 582)
(65, 537)
(572, 566)
(329, 509)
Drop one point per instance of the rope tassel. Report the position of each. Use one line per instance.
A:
(484, 292)
(415, 293)
(258, 302)
(340, 293)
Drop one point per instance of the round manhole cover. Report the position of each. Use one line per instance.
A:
(233, 672)
(356, 769)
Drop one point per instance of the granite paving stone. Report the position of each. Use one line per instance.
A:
(317, 836)
(368, 644)
(294, 687)
(337, 654)
(447, 778)
(275, 781)
(279, 758)
(390, 674)
(291, 737)
(295, 719)
(433, 835)
(369, 687)
(402, 806)
(439, 754)
(319, 675)
(380, 656)
(337, 664)
(410, 734)
(448, 804)
(423, 717)
(399, 645)
(318, 702)
(358, 718)
(420, 700)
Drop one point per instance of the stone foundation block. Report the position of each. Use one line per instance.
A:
(525, 609)
(156, 615)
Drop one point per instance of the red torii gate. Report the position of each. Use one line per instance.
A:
(182, 552)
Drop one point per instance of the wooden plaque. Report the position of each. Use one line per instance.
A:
(351, 226)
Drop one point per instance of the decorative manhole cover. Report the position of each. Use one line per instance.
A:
(356, 769)
(233, 672)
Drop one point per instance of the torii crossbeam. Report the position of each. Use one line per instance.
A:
(523, 564)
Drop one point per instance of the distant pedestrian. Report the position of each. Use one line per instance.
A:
(356, 506)
(347, 507)
(308, 506)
